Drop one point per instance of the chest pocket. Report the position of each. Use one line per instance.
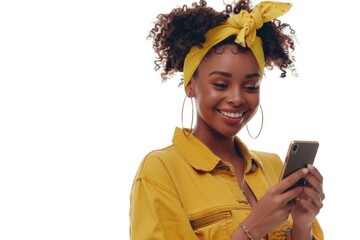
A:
(212, 225)
(209, 219)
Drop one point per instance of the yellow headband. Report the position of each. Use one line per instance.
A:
(244, 25)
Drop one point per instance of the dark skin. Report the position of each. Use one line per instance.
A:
(227, 94)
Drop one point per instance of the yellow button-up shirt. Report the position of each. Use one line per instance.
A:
(184, 191)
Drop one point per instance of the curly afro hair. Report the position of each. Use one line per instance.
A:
(175, 33)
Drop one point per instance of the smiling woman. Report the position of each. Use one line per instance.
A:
(237, 87)
(208, 184)
(81, 105)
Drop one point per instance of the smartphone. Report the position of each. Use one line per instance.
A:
(300, 153)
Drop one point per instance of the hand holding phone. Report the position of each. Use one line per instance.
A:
(300, 153)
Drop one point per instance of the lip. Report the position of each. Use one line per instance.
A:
(232, 116)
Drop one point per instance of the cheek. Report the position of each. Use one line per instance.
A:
(203, 96)
(205, 103)
(253, 100)
(208, 100)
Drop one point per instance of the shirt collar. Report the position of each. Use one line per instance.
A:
(202, 158)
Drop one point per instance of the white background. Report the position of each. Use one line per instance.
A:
(80, 106)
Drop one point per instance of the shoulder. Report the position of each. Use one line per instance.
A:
(271, 165)
(158, 164)
(153, 178)
(266, 156)
(156, 158)
(268, 160)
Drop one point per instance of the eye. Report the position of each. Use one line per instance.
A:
(221, 86)
(252, 89)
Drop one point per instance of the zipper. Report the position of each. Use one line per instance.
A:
(210, 219)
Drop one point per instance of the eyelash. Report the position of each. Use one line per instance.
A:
(223, 86)
(252, 89)
(220, 85)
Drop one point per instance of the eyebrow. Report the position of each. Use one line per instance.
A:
(225, 74)
(229, 75)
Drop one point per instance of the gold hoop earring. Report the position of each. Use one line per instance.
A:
(262, 123)
(187, 133)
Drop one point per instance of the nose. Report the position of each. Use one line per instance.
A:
(235, 97)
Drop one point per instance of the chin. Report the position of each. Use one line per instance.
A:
(229, 133)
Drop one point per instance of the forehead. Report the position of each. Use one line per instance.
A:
(231, 58)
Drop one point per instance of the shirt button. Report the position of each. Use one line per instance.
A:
(224, 167)
(287, 231)
(253, 168)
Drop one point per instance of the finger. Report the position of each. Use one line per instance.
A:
(315, 172)
(290, 195)
(312, 196)
(315, 180)
(309, 205)
(318, 201)
(313, 183)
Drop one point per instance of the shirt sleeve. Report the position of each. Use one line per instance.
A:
(317, 231)
(155, 208)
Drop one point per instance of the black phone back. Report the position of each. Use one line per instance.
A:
(300, 154)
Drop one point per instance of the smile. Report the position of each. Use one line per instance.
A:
(232, 114)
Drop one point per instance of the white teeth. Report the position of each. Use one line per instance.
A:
(232, 115)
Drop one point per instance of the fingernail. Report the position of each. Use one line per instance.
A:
(305, 170)
(310, 166)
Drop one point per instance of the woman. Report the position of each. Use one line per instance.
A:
(207, 184)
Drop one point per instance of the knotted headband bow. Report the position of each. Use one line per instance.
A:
(244, 26)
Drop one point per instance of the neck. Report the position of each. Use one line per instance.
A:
(220, 145)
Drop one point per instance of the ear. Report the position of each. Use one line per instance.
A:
(189, 89)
